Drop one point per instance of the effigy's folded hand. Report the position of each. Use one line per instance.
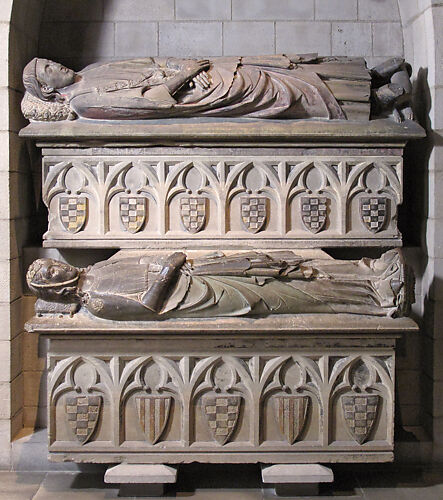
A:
(192, 67)
(202, 80)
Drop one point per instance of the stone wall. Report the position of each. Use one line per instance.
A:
(82, 31)
(19, 31)
(422, 25)
(88, 30)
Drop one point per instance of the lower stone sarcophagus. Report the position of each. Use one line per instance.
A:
(286, 390)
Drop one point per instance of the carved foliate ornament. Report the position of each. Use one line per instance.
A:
(221, 413)
(193, 213)
(291, 415)
(153, 413)
(254, 213)
(83, 413)
(73, 212)
(133, 212)
(360, 412)
(373, 212)
(313, 212)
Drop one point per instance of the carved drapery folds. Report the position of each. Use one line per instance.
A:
(177, 402)
(296, 197)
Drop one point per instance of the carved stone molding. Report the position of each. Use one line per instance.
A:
(255, 198)
(315, 401)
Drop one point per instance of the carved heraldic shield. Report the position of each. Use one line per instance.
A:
(291, 415)
(193, 213)
(313, 211)
(373, 212)
(153, 414)
(221, 413)
(73, 212)
(83, 413)
(360, 413)
(133, 211)
(254, 212)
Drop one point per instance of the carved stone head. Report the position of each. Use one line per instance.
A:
(42, 101)
(52, 280)
(42, 78)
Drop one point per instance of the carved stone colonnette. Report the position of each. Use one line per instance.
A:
(280, 390)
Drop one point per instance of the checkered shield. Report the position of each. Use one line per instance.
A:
(133, 212)
(153, 414)
(313, 212)
(193, 213)
(254, 213)
(73, 212)
(291, 415)
(360, 412)
(221, 413)
(373, 212)
(83, 414)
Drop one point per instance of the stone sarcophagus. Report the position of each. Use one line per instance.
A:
(295, 389)
(302, 185)
(221, 331)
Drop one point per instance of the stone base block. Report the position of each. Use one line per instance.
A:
(297, 479)
(141, 474)
(297, 473)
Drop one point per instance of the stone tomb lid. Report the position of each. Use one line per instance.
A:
(339, 325)
(222, 131)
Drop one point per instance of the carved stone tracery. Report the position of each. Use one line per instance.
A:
(233, 391)
(225, 185)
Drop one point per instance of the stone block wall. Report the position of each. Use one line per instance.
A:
(19, 31)
(83, 31)
(422, 26)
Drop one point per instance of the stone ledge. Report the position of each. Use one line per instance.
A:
(341, 325)
(219, 131)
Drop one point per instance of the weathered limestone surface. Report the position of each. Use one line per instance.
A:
(271, 390)
(101, 170)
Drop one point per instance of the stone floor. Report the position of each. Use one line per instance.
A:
(241, 482)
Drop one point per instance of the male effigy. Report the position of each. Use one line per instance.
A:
(220, 331)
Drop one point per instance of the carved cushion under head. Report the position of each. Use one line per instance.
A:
(43, 307)
(35, 109)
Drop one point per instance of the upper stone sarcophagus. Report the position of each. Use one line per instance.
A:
(239, 152)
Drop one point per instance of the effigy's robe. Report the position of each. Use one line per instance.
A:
(246, 284)
(249, 87)
(253, 87)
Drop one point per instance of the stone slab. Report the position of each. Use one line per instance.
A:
(141, 474)
(19, 485)
(75, 486)
(297, 473)
(216, 131)
(339, 325)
